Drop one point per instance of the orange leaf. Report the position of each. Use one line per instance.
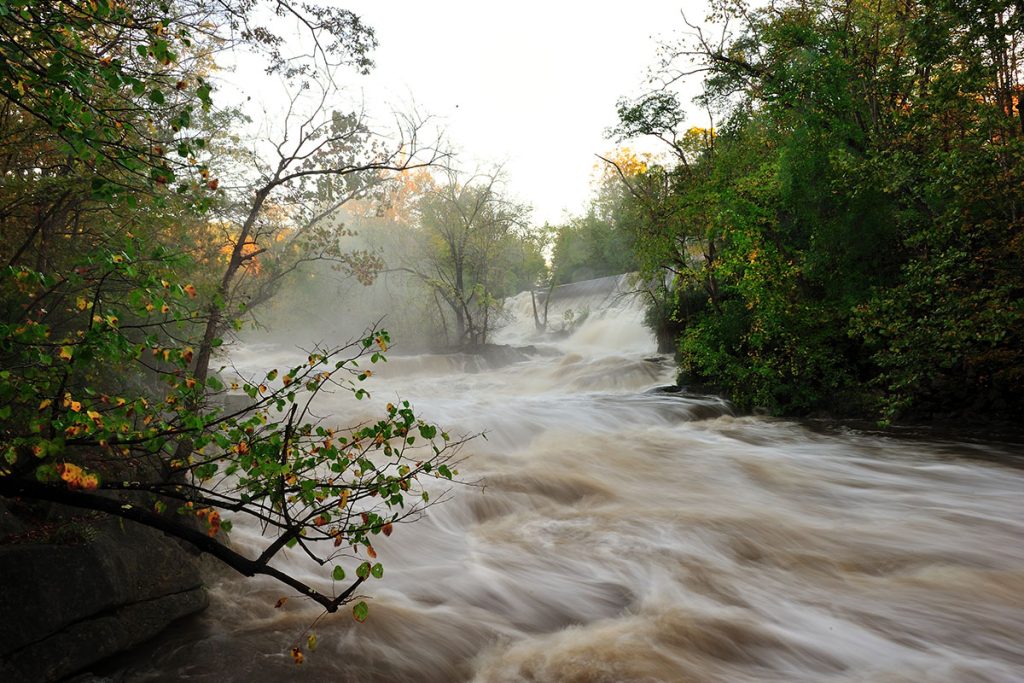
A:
(371, 552)
(387, 529)
(72, 474)
(297, 655)
(214, 521)
(280, 603)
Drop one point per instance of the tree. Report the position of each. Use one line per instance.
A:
(599, 243)
(107, 395)
(857, 210)
(475, 248)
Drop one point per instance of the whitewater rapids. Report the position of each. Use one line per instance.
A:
(620, 534)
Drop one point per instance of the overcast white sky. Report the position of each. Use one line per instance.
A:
(532, 84)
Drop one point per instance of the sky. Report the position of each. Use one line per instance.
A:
(531, 85)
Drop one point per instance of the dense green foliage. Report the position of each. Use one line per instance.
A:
(134, 239)
(850, 238)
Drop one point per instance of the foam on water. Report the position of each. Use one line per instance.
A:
(619, 535)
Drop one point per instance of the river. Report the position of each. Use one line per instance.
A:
(611, 533)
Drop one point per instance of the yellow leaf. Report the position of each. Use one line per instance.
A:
(311, 642)
(45, 403)
(66, 352)
(82, 304)
(76, 406)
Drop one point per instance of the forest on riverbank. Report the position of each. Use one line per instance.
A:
(842, 232)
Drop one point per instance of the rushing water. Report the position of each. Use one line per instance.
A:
(626, 535)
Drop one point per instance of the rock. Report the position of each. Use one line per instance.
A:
(9, 523)
(499, 355)
(66, 607)
(667, 389)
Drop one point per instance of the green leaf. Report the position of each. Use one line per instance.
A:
(363, 571)
(377, 570)
(338, 574)
(360, 611)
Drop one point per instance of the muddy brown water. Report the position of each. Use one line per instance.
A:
(619, 535)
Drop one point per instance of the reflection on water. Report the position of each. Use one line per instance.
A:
(618, 535)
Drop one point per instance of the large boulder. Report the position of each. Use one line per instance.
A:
(69, 604)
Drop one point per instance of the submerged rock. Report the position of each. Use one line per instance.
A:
(500, 355)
